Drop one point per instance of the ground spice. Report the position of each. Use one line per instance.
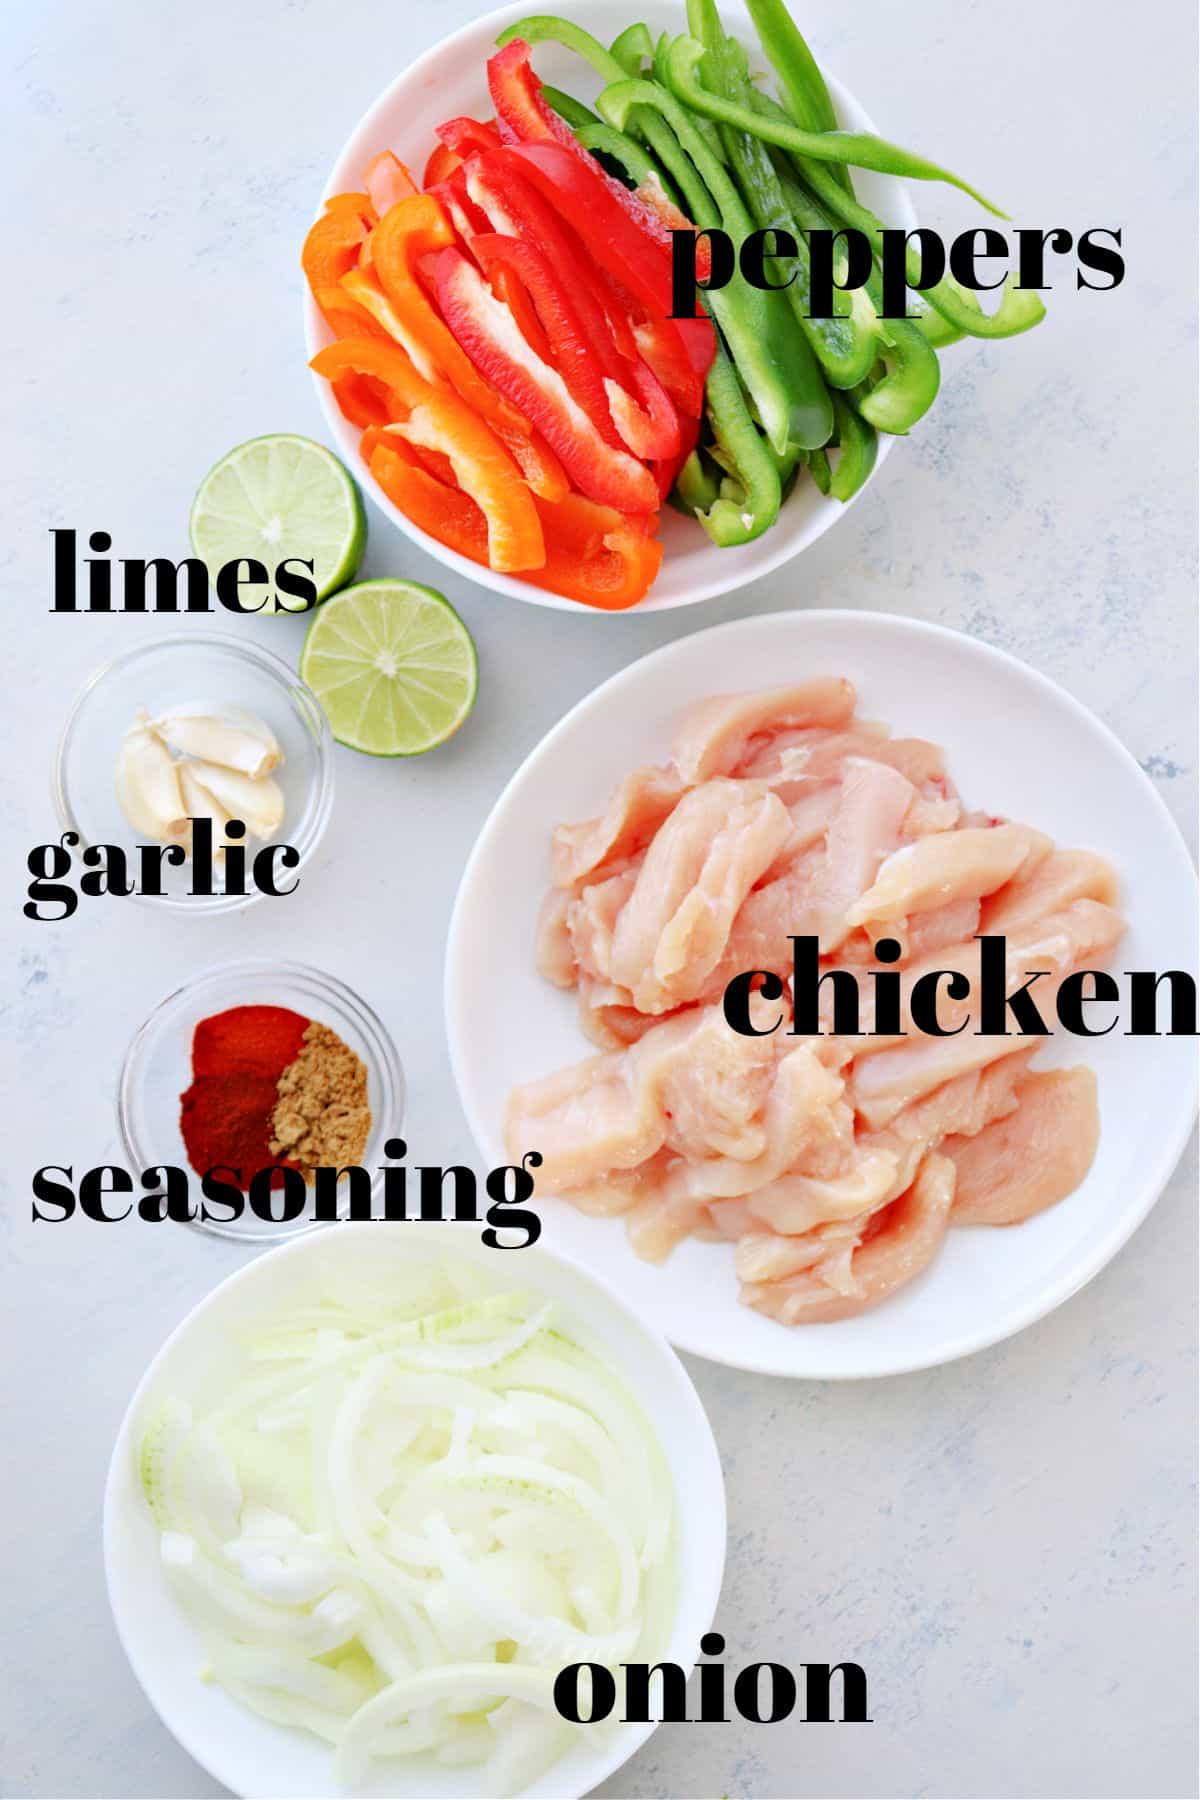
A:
(238, 1057)
(322, 1118)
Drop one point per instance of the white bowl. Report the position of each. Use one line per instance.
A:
(249, 1754)
(1016, 744)
(450, 79)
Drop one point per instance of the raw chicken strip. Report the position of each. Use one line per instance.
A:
(690, 1078)
(897, 1246)
(1047, 887)
(804, 1114)
(719, 841)
(712, 736)
(865, 830)
(555, 954)
(1032, 1158)
(948, 866)
(797, 1203)
(638, 807)
(592, 920)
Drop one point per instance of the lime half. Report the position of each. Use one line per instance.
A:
(279, 497)
(393, 666)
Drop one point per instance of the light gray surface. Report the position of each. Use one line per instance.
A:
(1007, 1544)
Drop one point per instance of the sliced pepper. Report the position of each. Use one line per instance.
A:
(744, 509)
(418, 227)
(862, 148)
(332, 246)
(488, 333)
(845, 346)
(539, 28)
(442, 160)
(773, 358)
(858, 446)
(620, 393)
(615, 576)
(525, 118)
(570, 352)
(387, 180)
(439, 420)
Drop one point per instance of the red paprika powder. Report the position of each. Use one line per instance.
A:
(237, 1059)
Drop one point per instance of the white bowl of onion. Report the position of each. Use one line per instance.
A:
(525, 1479)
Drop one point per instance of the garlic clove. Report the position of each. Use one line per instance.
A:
(259, 804)
(148, 787)
(235, 740)
(202, 805)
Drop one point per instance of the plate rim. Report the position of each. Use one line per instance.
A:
(1171, 1145)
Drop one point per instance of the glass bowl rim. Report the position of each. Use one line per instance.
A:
(299, 695)
(380, 1047)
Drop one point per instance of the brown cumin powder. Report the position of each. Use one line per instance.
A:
(321, 1118)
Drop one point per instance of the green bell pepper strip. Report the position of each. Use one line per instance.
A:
(819, 469)
(709, 129)
(573, 111)
(606, 140)
(696, 488)
(1020, 309)
(859, 447)
(862, 148)
(800, 79)
(632, 47)
(845, 346)
(909, 388)
(773, 358)
(545, 28)
(737, 518)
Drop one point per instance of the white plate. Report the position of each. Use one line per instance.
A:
(449, 80)
(1018, 745)
(251, 1755)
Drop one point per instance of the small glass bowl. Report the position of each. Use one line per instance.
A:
(223, 672)
(158, 1069)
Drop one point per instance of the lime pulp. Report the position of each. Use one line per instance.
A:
(279, 498)
(393, 666)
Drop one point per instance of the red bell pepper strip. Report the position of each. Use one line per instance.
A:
(525, 118)
(508, 287)
(616, 241)
(387, 180)
(622, 396)
(488, 333)
(442, 161)
(412, 229)
(613, 576)
(437, 419)
(467, 218)
(570, 352)
(468, 137)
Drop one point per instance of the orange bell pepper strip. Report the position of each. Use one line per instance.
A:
(437, 419)
(614, 576)
(387, 180)
(332, 246)
(419, 227)
(343, 315)
(356, 203)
